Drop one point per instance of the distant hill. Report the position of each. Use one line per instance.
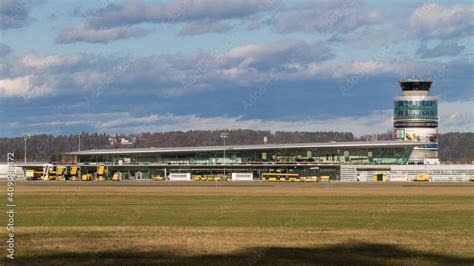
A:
(455, 147)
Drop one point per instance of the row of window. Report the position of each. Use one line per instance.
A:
(416, 110)
(348, 156)
(415, 103)
(420, 108)
(416, 114)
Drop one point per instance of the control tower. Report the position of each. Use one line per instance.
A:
(416, 119)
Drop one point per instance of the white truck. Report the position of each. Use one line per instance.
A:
(242, 176)
(180, 176)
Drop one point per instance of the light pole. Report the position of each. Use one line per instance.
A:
(79, 134)
(26, 136)
(224, 135)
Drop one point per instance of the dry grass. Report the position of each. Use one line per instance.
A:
(210, 240)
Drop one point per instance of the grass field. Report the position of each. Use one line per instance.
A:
(243, 224)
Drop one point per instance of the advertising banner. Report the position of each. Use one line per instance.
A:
(399, 133)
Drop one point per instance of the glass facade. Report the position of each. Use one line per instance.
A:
(421, 109)
(278, 156)
(420, 85)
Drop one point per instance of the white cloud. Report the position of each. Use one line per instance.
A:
(34, 75)
(323, 16)
(23, 87)
(116, 21)
(273, 55)
(34, 60)
(135, 12)
(436, 21)
(456, 116)
(241, 67)
(363, 68)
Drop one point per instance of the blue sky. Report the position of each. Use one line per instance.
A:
(135, 66)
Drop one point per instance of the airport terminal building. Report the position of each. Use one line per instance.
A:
(341, 161)
(306, 159)
(413, 150)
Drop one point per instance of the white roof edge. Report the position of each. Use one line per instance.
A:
(416, 97)
(250, 147)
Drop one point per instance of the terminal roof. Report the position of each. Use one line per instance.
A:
(263, 147)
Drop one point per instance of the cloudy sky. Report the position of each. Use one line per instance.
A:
(146, 66)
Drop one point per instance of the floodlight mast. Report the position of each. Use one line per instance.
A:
(26, 136)
(79, 134)
(224, 136)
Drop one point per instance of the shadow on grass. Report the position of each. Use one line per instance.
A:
(355, 253)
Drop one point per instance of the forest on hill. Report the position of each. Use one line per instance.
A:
(455, 147)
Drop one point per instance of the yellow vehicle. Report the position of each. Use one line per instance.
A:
(117, 176)
(278, 176)
(60, 172)
(157, 178)
(423, 177)
(32, 174)
(87, 177)
(74, 173)
(310, 179)
(324, 178)
(207, 178)
(52, 175)
(380, 177)
(471, 179)
(101, 172)
(48, 172)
